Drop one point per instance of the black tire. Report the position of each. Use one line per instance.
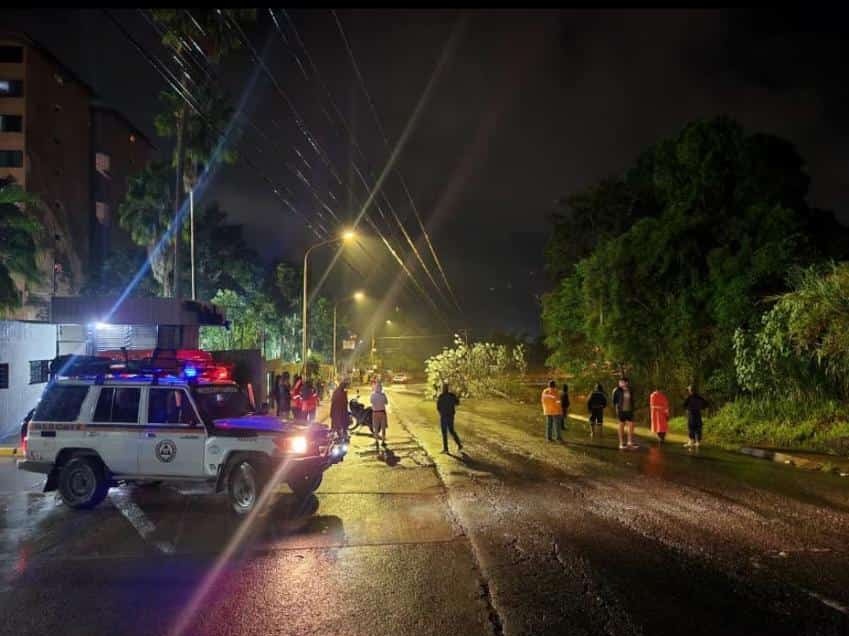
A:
(304, 485)
(353, 424)
(245, 482)
(83, 483)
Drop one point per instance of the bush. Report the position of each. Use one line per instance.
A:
(811, 423)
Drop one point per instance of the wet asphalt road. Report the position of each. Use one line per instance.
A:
(514, 536)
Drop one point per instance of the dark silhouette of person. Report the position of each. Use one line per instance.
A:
(447, 405)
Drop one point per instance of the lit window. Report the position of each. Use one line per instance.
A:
(11, 88)
(11, 123)
(132, 139)
(101, 211)
(11, 158)
(102, 163)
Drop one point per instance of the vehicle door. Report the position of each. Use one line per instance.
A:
(114, 428)
(173, 439)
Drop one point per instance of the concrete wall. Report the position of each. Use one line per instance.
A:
(21, 342)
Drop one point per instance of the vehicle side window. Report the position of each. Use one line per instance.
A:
(60, 403)
(118, 405)
(170, 406)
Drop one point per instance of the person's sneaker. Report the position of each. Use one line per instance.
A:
(621, 446)
(697, 444)
(688, 445)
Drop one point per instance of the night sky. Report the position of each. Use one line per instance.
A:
(533, 106)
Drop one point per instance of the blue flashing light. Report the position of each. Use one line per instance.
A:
(190, 372)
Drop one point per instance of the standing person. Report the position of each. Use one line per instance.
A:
(297, 387)
(339, 409)
(309, 400)
(378, 414)
(564, 406)
(284, 395)
(447, 405)
(596, 404)
(552, 410)
(659, 406)
(623, 403)
(694, 405)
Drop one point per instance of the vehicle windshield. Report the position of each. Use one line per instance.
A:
(221, 402)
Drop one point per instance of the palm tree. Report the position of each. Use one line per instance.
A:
(146, 215)
(196, 137)
(19, 232)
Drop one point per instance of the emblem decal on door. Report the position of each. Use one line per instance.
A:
(166, 451)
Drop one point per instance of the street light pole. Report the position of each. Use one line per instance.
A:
(355, 296)
(347, 236)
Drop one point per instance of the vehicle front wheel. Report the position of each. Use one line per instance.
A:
(305, 485)
(83, 483)
(244, 486)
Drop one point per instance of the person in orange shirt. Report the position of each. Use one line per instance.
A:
(553, 412)
(659, 407)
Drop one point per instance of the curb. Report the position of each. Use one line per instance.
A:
(794, 460)
(9, 451)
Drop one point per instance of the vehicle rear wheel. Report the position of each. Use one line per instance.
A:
(83, 483)
(304, 485)
(244, 486)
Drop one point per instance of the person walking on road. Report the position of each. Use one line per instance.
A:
(623, 403)
(553, 412)
(284, 396)
(659, 406)
(378, 414)
(564, 407)
(447, 405)
(339, 409)
(694, 405)
(596, 404)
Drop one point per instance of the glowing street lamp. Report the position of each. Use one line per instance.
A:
(357, 296)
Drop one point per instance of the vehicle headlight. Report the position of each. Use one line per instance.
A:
(298, 444)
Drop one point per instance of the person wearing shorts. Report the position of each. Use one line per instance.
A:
(694, 405)
(378, 414)
(596, 405)
(623, 403)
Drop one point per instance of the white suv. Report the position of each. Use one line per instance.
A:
(88, 434)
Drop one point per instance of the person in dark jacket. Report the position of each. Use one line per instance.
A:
(596, 404)
(564, 405)
(623, 404)
(283, 395)
(339, 409)
(693, 404)
(447, 405)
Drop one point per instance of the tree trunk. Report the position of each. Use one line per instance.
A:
(180, 159)
(160, 266)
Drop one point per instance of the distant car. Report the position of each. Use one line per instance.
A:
(400, 378)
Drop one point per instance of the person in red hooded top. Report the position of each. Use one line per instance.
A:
(309, 400)
(659, 407)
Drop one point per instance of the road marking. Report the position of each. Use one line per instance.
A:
(140, 522)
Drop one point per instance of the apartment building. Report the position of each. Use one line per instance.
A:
(60, 141)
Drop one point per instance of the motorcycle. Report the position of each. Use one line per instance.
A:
(360, 414)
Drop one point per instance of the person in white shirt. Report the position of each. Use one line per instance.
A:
(378, 414)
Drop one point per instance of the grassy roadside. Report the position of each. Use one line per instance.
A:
(817, 426)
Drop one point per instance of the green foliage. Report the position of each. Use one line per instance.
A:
(802, 343)
(117, 273)
(19, 233)
(670, 261)
(146, 213)
(819, 424)
(476, 370)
